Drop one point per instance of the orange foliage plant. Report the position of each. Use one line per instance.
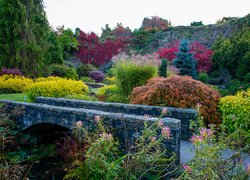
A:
(181, 92)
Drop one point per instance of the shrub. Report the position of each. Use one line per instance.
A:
(84, 69)
(56, 88)
(235, 112)
(203, 77)
(181, 92)
(236, 85)
(163, 68)
(63, 71)
(98, 76)
(13, 84)
(106, 91)
(71, 74)
(247, 78)
(15, 71)
(133, 73)
(87, 79)
(185, 61)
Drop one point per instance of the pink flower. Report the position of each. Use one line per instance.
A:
(164, 111)
(187, 168)
(107, 136)
(160, 123)
(165, 132)
(206, 132)
(97, 118)
(79, 124)
(195, 139)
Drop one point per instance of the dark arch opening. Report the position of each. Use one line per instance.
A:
(47, 133)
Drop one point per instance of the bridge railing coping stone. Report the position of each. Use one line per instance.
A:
(185, 115)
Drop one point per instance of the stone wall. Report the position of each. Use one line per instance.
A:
(185, 115)
(125, 127)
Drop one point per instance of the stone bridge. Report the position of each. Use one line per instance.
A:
(125, 120)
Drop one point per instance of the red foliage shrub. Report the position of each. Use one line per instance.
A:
(92, 51)
(202, 54)
(180, 92)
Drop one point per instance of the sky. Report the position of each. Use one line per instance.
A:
(91, 15)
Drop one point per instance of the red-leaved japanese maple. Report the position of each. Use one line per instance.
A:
(92, 51)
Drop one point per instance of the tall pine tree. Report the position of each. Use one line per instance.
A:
(23, 35)
(185, 61)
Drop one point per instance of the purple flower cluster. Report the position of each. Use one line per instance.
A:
(14, 71)
(98, 76)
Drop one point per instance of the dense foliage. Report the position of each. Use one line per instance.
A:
(155, 23)
(235, 113)
(14, 84)
(233, 54)
(23, 35)
(184, 60)
(130, 73)
(55, 87)
(92, 51)
(180, 92)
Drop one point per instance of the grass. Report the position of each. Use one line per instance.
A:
(14, 97)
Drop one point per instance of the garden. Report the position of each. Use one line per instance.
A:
(131, 67)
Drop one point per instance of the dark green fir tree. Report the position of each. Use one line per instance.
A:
(185, 61)
(163, 68)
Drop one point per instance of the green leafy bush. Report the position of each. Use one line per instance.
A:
(203, 77)
(236, 85)
(81, 97)
(63, 71)
(235, 112)
(84, 69)
(131, 73)
(87, 79)
(247, 78)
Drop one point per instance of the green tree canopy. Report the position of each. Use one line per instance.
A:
(23, 35)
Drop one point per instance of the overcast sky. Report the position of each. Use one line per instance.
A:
(91, 15)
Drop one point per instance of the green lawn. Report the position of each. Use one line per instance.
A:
(15, 97)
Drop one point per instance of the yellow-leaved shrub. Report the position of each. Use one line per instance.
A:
(56, 87)
(235, 111)
(14, 84)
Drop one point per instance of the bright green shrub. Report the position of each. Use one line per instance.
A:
(107, 91)
(118, 98)
(13, 84)
(58, 87)
(203, 77)
(235, 111)
(132, 73)
(71, 74)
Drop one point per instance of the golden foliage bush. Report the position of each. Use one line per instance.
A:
(56, 87)
(180, 92)
(14, 84)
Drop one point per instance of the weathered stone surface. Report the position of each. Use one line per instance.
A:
(185, 115)
(126, 126)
